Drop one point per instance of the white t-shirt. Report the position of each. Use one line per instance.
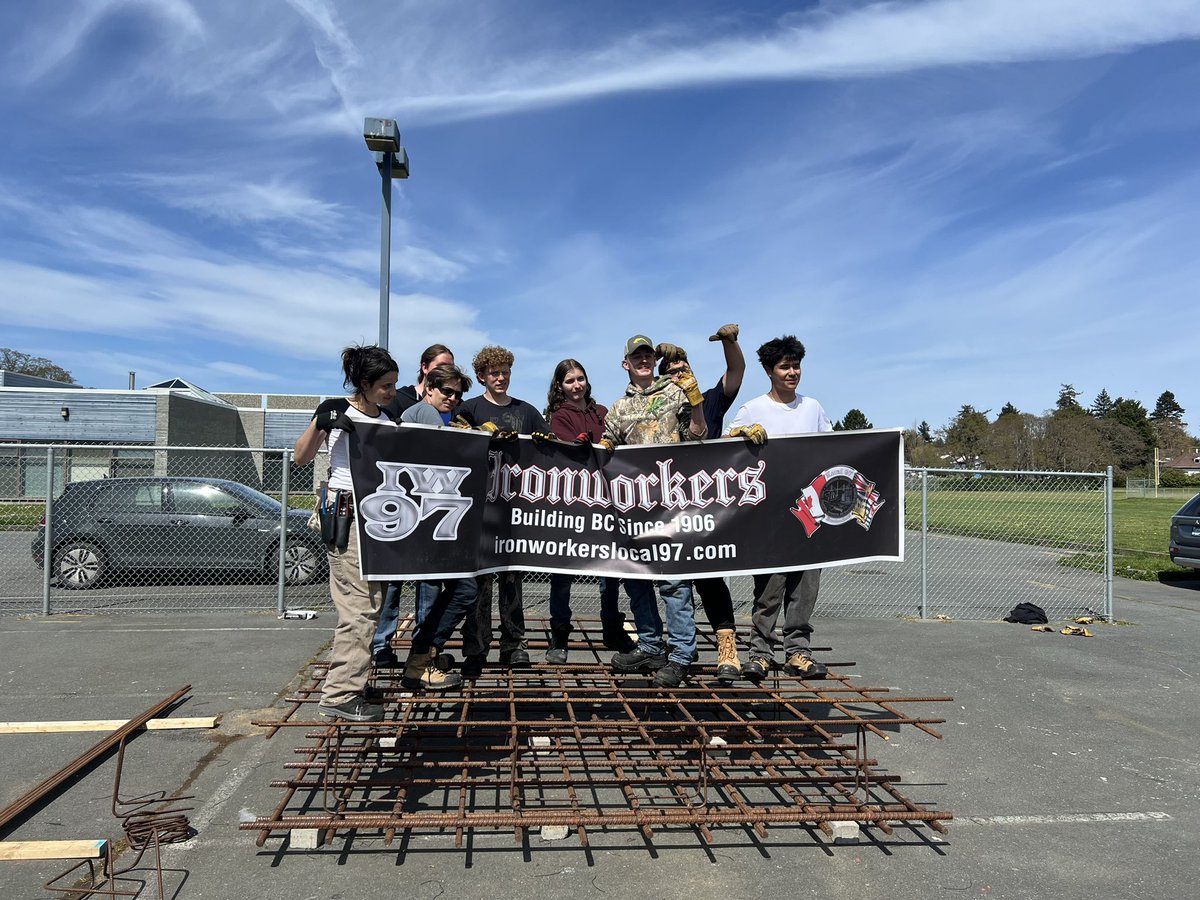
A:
(804, 415)
(339, 451)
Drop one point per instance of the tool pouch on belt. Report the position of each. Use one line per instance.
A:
(336, 515)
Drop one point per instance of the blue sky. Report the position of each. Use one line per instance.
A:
(948, 201)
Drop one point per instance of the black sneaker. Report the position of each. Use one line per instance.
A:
(472, 666)
(356, 709)
(671, 675)
(804, 665)
(385, 657)
(515, 658)
(757, 668)
(638, 660)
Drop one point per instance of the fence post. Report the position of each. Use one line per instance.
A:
(924, 543)
(48, 537)
(1108, 543)
(280, 599)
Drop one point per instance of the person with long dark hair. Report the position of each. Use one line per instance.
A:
(575, 416)
(370, 373)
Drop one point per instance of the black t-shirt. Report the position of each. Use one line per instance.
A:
(518, 416)
(405, 397)
(716, 404)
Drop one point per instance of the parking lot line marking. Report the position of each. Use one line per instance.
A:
(1067, 818)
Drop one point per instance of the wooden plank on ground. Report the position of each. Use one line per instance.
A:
(52, 849)
(65, 726)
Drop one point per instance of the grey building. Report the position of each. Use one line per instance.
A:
(153, 430)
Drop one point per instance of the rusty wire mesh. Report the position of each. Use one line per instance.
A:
(580, 747)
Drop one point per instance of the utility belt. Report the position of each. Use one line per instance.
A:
(336, 510)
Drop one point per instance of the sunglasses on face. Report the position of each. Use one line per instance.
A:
(449, 392)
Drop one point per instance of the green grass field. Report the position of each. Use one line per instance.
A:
(1068, 520)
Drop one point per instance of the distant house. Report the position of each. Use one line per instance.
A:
(106, 433)
(1188, 462)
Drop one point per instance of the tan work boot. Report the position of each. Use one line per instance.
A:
(436, 678)
(414, 669)
(804, 665)
(729, 667)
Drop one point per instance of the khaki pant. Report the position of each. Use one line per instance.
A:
(358, 603)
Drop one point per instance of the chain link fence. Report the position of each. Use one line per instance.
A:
(200, 530)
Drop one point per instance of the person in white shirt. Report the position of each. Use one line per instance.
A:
(782, 411)
(371, 373)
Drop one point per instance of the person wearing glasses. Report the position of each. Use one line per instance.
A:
(442, 605)
(498, 412)
(434, 355)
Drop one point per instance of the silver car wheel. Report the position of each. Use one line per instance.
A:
(80, 566)
(300, 563)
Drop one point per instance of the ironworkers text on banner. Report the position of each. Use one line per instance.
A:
(446, 502)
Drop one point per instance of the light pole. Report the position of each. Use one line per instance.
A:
(383, 139)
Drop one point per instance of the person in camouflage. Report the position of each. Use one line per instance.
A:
(656, 411)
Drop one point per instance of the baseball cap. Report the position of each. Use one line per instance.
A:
(638, 340)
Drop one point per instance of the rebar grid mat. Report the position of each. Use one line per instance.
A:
(586, 748)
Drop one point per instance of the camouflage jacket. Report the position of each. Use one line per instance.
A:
(660, 414)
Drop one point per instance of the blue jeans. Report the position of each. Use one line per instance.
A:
(681, 617)
(560, 600)
(446, 604)
(389, 618)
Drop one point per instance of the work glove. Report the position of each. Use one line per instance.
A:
(669, 352)
(326, 420)
(490, 427)
(753, 432)
(726, 333)
(540, 437)
(607, 445)
(459, 422)
(687, 381)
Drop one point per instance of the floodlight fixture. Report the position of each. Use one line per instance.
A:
(383, 140)
(381, 135)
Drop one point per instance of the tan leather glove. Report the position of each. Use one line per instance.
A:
(687, 381)
(669, 352)
(607, 445)
(490, 427)
(726, 333)
(459, 422)
(753, 432)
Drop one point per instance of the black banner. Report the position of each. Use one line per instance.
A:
(443, 502)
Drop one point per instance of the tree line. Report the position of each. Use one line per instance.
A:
(1119, 432)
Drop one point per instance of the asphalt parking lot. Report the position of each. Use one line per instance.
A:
(1069, 763)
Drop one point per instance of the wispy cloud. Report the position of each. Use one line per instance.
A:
(876, 39)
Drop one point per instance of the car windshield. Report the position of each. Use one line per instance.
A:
(257, 498)
(1191, 508)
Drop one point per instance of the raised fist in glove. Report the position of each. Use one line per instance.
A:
(669, 352)
(687, 381)
(726, 333)
(753, 432)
